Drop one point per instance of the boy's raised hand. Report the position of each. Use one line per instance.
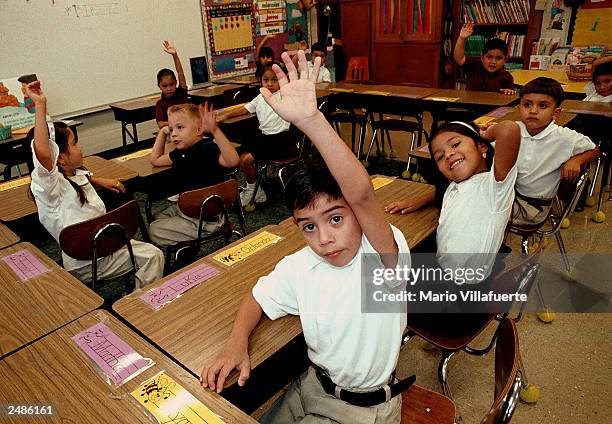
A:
(208, 118)
(34, 92)
(466, 30)
(169, 48)
(298, 99)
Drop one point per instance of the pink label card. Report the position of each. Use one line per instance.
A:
(500, 112)
(25, 265)
(589, 112)
(178, 285)
(117, 360)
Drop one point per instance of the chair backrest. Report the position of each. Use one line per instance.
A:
(209, 202)
(244, 95)
(77, 240)
(569, 193)
(507, 375)
(358, 69)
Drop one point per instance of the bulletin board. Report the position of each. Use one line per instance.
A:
(231, 28)
(593, 23)
(271, 16)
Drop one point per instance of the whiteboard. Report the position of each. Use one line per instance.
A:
(89, 53)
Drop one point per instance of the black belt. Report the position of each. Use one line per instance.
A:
(536, 202)
(365, 399)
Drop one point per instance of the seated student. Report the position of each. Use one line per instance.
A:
(335, 209)
(171, 94)
(600, 90)
(491, 75)
(276, 140)
(65, 196)
(318, 49)
(198, 162)
(548, 152)
(265, 55)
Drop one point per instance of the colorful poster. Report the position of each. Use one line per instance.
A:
(271, 16)
(297, 23)
(16, 108)
(593, 23)
(246, 248)
(231, 28)
(169, 402)
(555, 21)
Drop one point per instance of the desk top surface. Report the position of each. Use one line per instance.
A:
(207, 312)
(7, 237)
(39, 305)
(382, 89)
(474, 97)
(588, 108)
(147, 102)
(523, 76)
(213, 90)
(241, 79)
(54, 371)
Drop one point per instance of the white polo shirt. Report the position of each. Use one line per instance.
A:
(593, 96)
(473, 221)
(324, 74)
(269, 121)
(358, 350)
(541, 157)
(58, 202)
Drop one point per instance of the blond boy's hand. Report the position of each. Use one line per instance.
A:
(570, 169)
(466, 30)
(169, 48)
(214, 374)
(165, 130)
(208, 118)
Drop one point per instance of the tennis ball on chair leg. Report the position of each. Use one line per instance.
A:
(406, 174)
(249, 207)
(530, 393)
(598, 216)
(566, 223)
(590, 201)
(547, 316)
(416, 177)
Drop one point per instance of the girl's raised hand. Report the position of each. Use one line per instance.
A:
(466, 30)
(208, 118)
(34, 92)
(169, 48)
(298, 100)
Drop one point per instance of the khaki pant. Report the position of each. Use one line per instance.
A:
(149, 261)
(306, 402)
(171, 226)
(525, 213)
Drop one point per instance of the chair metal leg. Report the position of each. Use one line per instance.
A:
(258, 181)
(442, 374)
(594, 181)
(353, 133)
(409, 157)
(374, 138)
(563, 251)
(604, 181)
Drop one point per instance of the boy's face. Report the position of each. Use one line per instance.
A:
(537, 111)
(270, 81)
(316, 54)
(457, 156)
(493, 60)
(330, 229)
(185, 130)
(167, 85)
(603, 85)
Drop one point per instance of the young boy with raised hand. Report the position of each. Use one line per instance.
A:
(353, 353)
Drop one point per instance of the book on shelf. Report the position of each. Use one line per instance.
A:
(495, 11)
(474, 45)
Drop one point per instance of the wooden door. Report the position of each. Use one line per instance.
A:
(356, 26)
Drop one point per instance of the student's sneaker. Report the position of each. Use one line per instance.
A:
(247, 194)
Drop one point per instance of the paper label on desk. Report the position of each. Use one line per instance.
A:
(117, 360)
(138, 154)
(247, 248)
(171, 289)
(17, 182)
(500, 112)
(484, 119)
(375, 93)
(169, 402)
(424, 148)
(379, 182)
(25, 265)
(589, 112)
(409, 96)
(342, 90)
(443, 99)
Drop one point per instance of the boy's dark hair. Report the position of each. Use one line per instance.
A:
(309, 178)
(495, 44)
(603, 69)
(163, 73)
(439, 180)
(266, 52)
(318, 47)
(544, 85)
(268, 67)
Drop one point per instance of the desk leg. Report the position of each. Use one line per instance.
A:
(123, 134)
(135, 132)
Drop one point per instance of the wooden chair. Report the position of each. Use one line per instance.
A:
(358, 69)
(207, 204)
(102, 236)
(424, 406)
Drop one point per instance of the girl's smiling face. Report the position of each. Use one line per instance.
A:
(457, 156)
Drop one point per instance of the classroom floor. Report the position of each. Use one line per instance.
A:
(569, 359)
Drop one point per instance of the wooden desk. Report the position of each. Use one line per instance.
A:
(513, 114)
(384, 89)
(193, 328)
(523, 76)
(34, 308)
(250, 79)
(22, 133)
(134, 112)
(212, 92)
(580, 107)
(17, 202)
(140, 162)
(54, 371)
(7, 237)
(465, 97)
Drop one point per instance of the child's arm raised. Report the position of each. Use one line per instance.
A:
(507, 137)
(170, 49)
(158, 157)
(459, 53)
(298, 104)
(41, 131)
(228, 158)
(263, 43)
(236, 352)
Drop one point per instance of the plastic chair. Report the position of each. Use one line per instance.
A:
(101, 236)
(358, 69)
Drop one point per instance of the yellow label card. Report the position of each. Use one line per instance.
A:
(375, 93)
(379, 182)
(246, 248)
(17, 182)
(342, 90)
(169, 402)
(484, 120)
(443, 99)
(138, 154)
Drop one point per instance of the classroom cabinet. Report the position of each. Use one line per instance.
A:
(356, 27)
(405, 63)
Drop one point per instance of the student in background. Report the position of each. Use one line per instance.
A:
(548, 152)
(600, 90)
(490, 75)
(171, 93)
(198, 162)
(65, 196)
(334, 206)
(276, 140)
(265, 55)
(318, 49)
